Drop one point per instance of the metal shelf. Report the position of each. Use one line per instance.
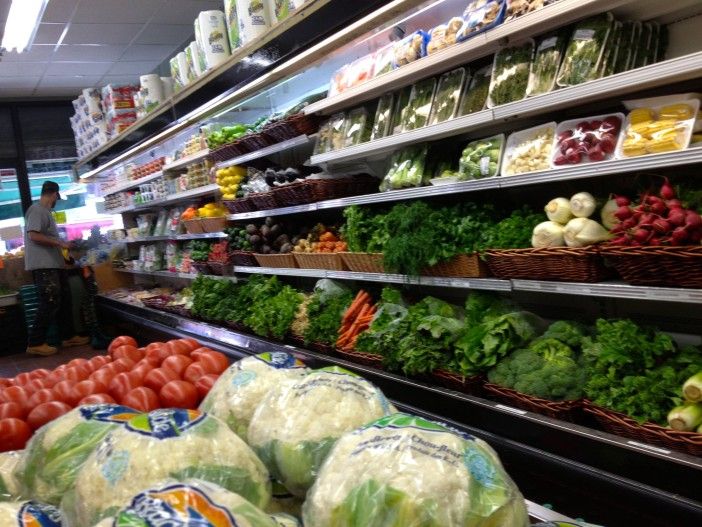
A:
(9, 300)
(188, 160)
(177, 237)
(134, 183)
(174, 198)
(612, 290)
(300, 140)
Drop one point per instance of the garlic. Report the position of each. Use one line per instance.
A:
(609, 220)
(581, 232)
(582, 205)
(547, 234)
(558, 210)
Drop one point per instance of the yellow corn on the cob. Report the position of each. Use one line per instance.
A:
(633, 149)
(640, 115)
(679, 112)
(669, 145)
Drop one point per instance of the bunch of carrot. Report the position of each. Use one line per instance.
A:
(357, 318)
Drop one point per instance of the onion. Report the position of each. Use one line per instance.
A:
(558, 210)
(581, 232)
(547, 234)
(609, 220)
(582, 205)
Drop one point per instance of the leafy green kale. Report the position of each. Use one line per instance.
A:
(325, 317)
(513, 232)
(364, 230)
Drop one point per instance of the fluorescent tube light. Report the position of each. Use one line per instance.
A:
(22, 23)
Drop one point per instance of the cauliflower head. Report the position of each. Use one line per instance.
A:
(236, 394)
(298, 422)
(404, 471)
(9, 486)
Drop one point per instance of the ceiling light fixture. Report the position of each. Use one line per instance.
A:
(22, 23)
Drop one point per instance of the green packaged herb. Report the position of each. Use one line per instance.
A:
(510, 74)
(609, 58)
(406, 169)
(642, 46)
(585, 50)
(337, 126)
(383, 117)
(476, 91)
(635, 44)
(662, 47)
(547, 60)
(401, 105)
(481, 158)
(419, 105)
(626, 36)
(448, 95)
(652, 49)
(323, 144)
(356, 127)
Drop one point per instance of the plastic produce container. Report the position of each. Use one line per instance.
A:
(481, 158)
(476, 91)
(416, 114)
(529, 150)
(585, 50)
(412, 47)
(444, 35)
(382, 124)
(588, 140)
(356, 129)
(510, 74)
(480, 16)
(448, 96)
(544, 68)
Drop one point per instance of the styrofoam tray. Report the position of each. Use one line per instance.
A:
(514, 142)
(686, 133)
(438, 181)
(663, 100)
(572, 123)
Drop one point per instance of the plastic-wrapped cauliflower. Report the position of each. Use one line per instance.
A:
(403, 471)
(56, 452)
(191, 502)
(28, 513)
(285, 520)
(297, 423)
(236, 394)
(163, 444)
(9, 486)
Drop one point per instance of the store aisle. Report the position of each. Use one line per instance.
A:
(11, 365)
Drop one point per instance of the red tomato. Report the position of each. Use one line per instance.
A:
(204, 384)
(36, 384)
(46, 412)
(121, 341)
(196, 354)
(177, 363)
(142, 398)
(104, 375)
(194, 372)
(191, 343)
(15, 394)
(123, 364)
(77, 373)
(122, 384)
(14, 434)
(157, 355)
(178, 347)
(155, 345)
(22, 378)
(63, 391)
(98, 362)
(142, 368)
(5, 382)
(77, 362)
(54, 377)
(12, 410)
(85, 388)
(41, 396)
(213, 361)
(158, 377)
(61, 368)
(179, 394)
(127, 352)
(39, 373)
(97, 398)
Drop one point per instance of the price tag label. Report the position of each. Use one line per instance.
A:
(510, 409)
(648, 447)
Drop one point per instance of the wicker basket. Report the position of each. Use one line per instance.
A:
(193, 226)
(213, 224)
(296, 341)
(326, 349)
(564, 264)
(472, 384)
(460, 266)
(236, 326)
(303, 124)
(363, 262)
(200, 267)
(563, 410)
(254, 142)
(297, 193)
(280, 131)
(622, 425)
(237, 206)
(661, 266)
(264, 200)
(226, 152)
(280, 261)
(243, 258)
(329, 261)
(368, 359)
(220, 269)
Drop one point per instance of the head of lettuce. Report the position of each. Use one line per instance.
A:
(403, 471)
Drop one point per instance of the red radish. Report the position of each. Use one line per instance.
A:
(654, 241)
(622, 201)
(623, 213)
(642, 235)
(661, 225)
(607, 144)
(679, 235)
(629, 224)
(596, 153)
(658, 208)
(676, 216)
(674, 204)
(693, 220)
(667, 190)
(696, 236)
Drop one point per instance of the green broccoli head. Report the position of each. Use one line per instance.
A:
(570, 333)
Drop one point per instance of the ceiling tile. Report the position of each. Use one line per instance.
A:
(133, 68)
(117, 11)
(48, 33)
(102, 33)
(165, 34)
(151, 52)
(31, 68)
(58, 91)
(119, 79)
(78, 68)
(185, 11)
(90, 53)
(67, 81)
(8, 69)
(27, 82)
(59, 10)
(37, 53)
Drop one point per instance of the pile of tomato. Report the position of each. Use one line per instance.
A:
(174, 374)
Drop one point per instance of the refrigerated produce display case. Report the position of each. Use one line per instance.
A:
(487, 209)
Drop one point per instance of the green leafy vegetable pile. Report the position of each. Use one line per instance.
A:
(324, 313)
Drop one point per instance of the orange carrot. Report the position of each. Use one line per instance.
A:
(352, 312)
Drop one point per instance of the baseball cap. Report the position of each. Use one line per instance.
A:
(49, 187)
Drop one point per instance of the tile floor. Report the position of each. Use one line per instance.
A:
(11, 365)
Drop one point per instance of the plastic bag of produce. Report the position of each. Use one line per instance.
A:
(517, 8)
(58, 450)
(476, 91)
(162, 444)
(544, 67)
(585, 50)
(383, 117)
(240, 389)
(285, 520)
(448, 94)
(24, 513)
(416, 113)
(444, 35)
(479, 16)
(356, 127)
(406, 169)
(481, 158)
(510, 74)
(188, 503)
(383, 60)
(404, 471)
(412, 47)
(296, 425)
(9, 486)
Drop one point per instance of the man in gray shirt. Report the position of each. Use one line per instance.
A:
(43, 257)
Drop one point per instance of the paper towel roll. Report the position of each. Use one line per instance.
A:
(200, 46)
(191, 57)
(151, 89)
(232, 20)
(280, 9)
(184, 70)
(213, 33)
(168, 85)
(254, 19)
(175, 74)
(193, 53)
